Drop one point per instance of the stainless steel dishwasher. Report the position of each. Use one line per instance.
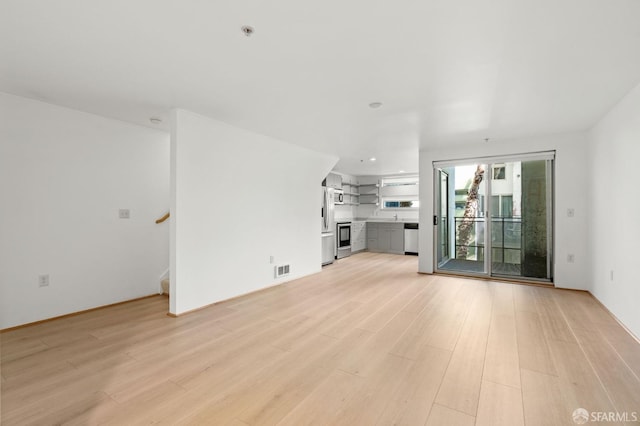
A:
(411, 238)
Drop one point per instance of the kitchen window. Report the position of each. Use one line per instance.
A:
(399, 193)
(400, 204)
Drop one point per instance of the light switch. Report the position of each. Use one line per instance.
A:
(124, 213)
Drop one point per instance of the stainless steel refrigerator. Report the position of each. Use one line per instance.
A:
(328, 226)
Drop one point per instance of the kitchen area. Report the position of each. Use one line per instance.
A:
(369, 213)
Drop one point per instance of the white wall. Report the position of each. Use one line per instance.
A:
(344, 212)
(571, 176)
(238, 198)
(64, 175)
(615, 204)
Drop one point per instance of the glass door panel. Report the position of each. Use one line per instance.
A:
(536, 219)
(521, 219)
(461, 223)
(442, 219)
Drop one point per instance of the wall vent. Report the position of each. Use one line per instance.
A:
(282, 270)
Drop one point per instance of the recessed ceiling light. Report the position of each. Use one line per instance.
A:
(247, 30)
(400, 171)
(155, 120)
(375, 105)
(372, 159)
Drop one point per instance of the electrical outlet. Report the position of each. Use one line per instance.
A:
(571, 258)
(571, 212)
(124, 213)
(43, 280)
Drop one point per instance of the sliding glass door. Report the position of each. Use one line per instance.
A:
(493, 218)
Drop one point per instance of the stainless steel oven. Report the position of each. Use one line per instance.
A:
(343, 240)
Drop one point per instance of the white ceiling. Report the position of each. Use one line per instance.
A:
(446, 71)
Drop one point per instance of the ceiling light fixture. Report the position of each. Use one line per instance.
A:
(155, 120)
(375, 105)
(372, 159)
(247, 30)
(400, 171)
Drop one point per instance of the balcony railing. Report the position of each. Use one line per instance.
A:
(506, 239)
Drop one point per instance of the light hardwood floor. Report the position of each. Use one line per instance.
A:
(367, 341)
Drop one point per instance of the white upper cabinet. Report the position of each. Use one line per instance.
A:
(333, 180)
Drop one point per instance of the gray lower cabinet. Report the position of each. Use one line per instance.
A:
(397, 239)
(385, 237)
(372, 236)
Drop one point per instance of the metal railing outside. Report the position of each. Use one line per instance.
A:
(506, 239)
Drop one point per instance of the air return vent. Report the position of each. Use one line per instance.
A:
(282, 270)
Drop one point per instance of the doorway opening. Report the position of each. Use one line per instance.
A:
(494, 217)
